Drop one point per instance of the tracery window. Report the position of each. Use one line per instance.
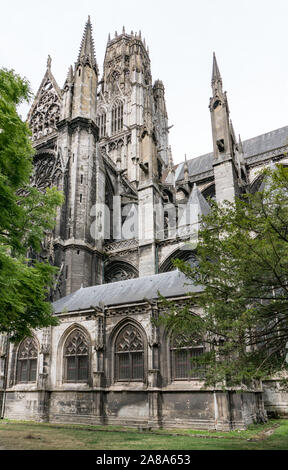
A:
(27, 361)
(101, 123)
(129, 355)
(76, 357)
(184, 353)
(117, 118)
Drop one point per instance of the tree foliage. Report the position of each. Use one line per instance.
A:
(243, 267)
(26, 215)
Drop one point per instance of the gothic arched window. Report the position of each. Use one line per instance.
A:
(76, 357)
(129, 355)
(117, 118)
(184, 353)
(101, 123)
(27, 361)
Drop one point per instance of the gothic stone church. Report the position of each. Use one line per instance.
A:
(104, 143)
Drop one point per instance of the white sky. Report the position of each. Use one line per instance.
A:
(248, 36)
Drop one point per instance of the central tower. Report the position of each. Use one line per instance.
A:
(125, 88)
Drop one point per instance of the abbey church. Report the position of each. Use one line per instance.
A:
(128, 212)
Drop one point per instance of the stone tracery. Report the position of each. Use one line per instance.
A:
(46, 113)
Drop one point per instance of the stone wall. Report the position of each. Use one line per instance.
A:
(154, 401)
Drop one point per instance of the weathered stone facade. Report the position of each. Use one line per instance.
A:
(128, 212)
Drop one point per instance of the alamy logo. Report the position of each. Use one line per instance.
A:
(145, 222)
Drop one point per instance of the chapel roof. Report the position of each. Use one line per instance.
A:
(170, 284)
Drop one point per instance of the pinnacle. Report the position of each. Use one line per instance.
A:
(87, 50)
(232, 131)
(215, 72)
(170, 159)
(186, 170)
(49, 60)
(70, 74)
(240, 145)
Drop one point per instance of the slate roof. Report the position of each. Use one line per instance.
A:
(255, 146)
(171, 284)
(266, 142)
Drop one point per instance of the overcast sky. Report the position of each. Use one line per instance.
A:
(249, 37)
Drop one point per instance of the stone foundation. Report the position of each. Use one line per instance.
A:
(215, 410)
(275, 399)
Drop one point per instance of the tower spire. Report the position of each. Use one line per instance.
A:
(87, 50)
(215, 71)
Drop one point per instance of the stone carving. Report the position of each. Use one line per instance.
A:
(46, 113)
(119, 271)
(47, 170)
(76, 344)
(28, 349)
(99, 343)
(45, 346)
(121, 245)
(185, 340)
(129, 339)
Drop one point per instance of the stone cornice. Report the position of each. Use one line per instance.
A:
(275, 154)
(79, 122)
(76, 245)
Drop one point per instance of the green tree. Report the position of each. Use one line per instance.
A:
(243, 267)
(26, 215)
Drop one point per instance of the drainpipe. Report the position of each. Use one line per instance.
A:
(5, 378)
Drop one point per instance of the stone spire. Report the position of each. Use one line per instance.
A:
(70, 75)
(170, 160)
(87, 50)
(49, 60)
(215, 71)
(186, 170)
(232, 132)
(170, 179)
(240, 145)
(216, 81)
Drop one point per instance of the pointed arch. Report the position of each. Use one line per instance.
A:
(182, 254)
(184, 352)
(74, 355)
(101, 121)
(181, 194)
(118, 270)
(27, 361)
(117, 116)
(210, 191)
(129, 346)
(256, 184)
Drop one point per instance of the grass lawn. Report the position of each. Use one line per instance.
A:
(18, 435)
